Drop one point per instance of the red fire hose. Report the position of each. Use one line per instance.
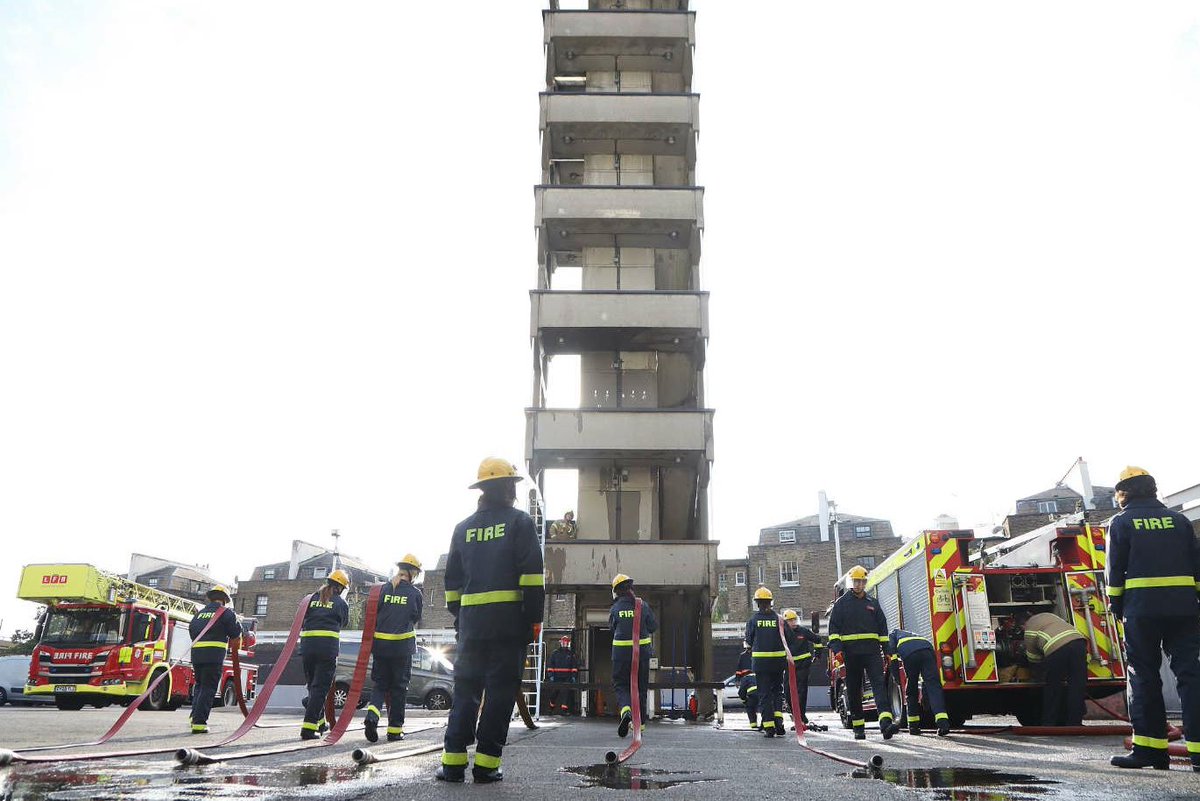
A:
(133, 707)
(260, 706)
(189, 756)
(635, 701)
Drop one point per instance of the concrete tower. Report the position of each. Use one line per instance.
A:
(619, 217)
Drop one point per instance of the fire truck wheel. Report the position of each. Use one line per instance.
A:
(158, 700)
(3, 697)
(68, 703)
(843, 706)
(229, 694)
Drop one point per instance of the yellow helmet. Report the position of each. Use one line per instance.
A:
(619, 579)
(409, 561)
(790, 614)
(491, 469)
(1128, 473)
(858, 572)
(340, 576)
(763, 594)
(218, 589)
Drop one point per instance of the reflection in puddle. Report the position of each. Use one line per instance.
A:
(621, 777)
(964, 784)
(57, 784)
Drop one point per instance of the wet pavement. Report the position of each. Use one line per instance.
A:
(565, 757)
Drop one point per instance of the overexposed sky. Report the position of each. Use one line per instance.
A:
(264, 268)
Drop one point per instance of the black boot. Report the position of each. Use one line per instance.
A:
(889, 729)
(943, 728)
(753, 721)
(446, 773)
(309, 734)
(914, 728)
(1140, 759)
(371, 729)
(860, 732)
(395, 738)
(486, 775)
(623, 726)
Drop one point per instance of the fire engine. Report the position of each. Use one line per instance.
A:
(966, 603)
(103, 639)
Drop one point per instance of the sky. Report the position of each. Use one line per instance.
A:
(264, 268)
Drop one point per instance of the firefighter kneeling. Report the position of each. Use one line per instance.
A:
(858, 630)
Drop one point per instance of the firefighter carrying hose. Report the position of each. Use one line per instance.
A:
(395, 643)
(620, 620)
(858, 630)
(747, 685)
(495, 588)
(802, 641)
(208, 653)
(920, 663)
(320, 635)
(769, 659)
(1153, 581)
(562, 672)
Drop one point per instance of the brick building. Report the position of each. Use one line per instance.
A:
(1062, 500)
(273, 591)
(177, 578)
(560, 606)
(799, 565)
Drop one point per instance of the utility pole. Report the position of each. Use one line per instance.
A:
(826, 514)
(336, 552)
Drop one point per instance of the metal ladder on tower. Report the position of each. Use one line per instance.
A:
(531, 676)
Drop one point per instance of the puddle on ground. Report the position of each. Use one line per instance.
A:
(622, 777)
(963, 784)
(168, 783)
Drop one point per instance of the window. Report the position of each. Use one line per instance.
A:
(320, 572)
(789, 574)
(787, 535)
(867, 561)
(152, 582)
(739, 578)
(269, 574)
(1048, 507)
(761, 575)
(558, 596)
(260, 605)
(722, 583)
(862, 532)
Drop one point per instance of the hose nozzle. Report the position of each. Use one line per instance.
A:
(362, 756)
(190, 756)
(875, 762)
(610, 757)
(6, 757)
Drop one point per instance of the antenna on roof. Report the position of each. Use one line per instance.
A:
(336, 553)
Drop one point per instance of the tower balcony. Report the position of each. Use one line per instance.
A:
(570, 438)
(577, 125)
(582, 565)
(570, 218)
(603, 320)
(619, 41)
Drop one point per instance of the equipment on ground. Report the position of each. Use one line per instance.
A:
(104, 639)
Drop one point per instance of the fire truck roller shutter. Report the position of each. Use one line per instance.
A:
(914, 598)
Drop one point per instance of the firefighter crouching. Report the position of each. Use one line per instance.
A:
(1061, 652)
(747, 685)
(495, 588)
(562, 671)
(770, 660)
(620, 620)
(395, 643)
(208, 654)
(920, 662)
(1153, 580)
(802, 641)
(320, 636)
(858, 630)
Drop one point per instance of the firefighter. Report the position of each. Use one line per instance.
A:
(208, 654)
(858, 630)
(396, 621)
(320, 635)
(802, 641)
(620, 620)
(747, 685)
(1053, 644)
(563, 671)
(770, 660)
(1153, 579)
(920, 662)
(495, 589)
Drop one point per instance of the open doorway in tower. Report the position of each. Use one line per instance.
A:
(601, 700)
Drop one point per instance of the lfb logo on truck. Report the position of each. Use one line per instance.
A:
(54, 579)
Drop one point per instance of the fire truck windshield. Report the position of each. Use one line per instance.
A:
(83, 627)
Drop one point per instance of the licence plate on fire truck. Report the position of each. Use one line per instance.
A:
(64, 688)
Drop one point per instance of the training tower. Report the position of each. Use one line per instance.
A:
(619, 216)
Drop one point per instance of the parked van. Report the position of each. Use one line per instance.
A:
(14, 670)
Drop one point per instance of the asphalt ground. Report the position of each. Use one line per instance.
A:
(565, 757)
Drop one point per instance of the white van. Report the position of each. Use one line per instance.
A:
(14, 670)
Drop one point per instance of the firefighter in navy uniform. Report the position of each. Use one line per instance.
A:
(320, 636)
(620, 620)
(396, 621)
(858, 630)
(802, 641)
(562, 671)
(747, 685)
(921, 667)
(495, 589)
(208, 654)
(770, 660)
(1153, 581)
